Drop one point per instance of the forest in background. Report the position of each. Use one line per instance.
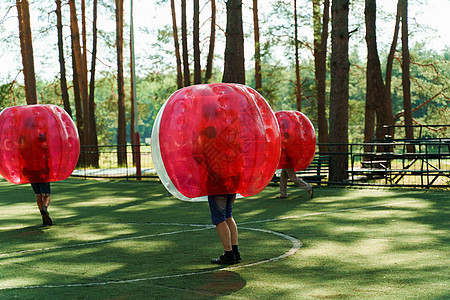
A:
(278, 52)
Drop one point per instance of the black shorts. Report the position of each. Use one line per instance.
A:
(221, 207)
(41, 188)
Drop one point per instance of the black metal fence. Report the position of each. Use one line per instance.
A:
(392, 164)
(108, 163)
(386, 164)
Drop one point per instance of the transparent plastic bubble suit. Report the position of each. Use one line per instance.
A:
(214, 139)
(38, 143)
(298, 140)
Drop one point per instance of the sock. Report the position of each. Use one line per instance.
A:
(45, 208)
(229, 254)
(235, 248)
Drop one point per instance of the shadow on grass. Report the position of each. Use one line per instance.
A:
(371, 239)
(367, 242)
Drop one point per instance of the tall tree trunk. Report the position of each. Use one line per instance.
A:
(93, 140)
(133, 88)
(79, 64)
(234, 69)
(84, 34)
(86, 113)
(132, 110)
(298, 86)
(320, 63)
(389, 64)
(405, 76)
(339, 90)
(186, 72)
(212, 40)
(196, 42)
(26, 46)
(121, 122)
(78, 106)
(258, 75)
(176, 44)
(62, 62)
(375, 93)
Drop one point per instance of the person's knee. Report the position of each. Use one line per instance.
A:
(220, 223)
(292, 177)
(230, 222)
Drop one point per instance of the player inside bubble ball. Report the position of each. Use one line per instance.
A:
(35, 169)
(221, 205)
(289, 173)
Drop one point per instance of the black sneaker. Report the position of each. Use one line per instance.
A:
(46, 218)
(223, 260)
(238, 257)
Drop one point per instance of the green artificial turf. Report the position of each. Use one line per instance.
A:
(132, 240)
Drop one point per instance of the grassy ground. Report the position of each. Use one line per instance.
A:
(131, 240)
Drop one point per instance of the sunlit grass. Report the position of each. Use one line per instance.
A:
(357, 244)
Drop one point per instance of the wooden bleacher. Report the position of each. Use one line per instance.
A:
(316, 172)
(390, 160)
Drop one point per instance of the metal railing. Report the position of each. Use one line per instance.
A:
(387, 164)
(138, 163)
(391, 164)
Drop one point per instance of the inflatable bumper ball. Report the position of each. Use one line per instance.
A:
(38, 143)
(298, 140)
(214, 139)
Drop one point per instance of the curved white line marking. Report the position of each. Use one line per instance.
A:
(101, 242)
(260, 221)
(296, 245)
(326, 212)
(295, 242)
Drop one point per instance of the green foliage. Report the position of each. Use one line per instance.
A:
(430, 74)
(106, 110)
(156, 71)
(4, 95)
(11, 94)
(430, 79)
(49, 93)
(152, 92)
(430, 90)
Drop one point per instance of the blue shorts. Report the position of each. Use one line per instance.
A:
(221, 207)
(41, 188)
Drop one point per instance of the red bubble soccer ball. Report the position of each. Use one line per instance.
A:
(214, 139)
(38, 143)
(298, 140)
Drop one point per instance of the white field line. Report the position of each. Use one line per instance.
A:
(296, 245)
(252, 222)
(101, 242)
(327, 212)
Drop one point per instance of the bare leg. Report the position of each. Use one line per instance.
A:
(39, 202)
(303, 185)
(283, 184)
(46, 200)
(233, 230)
(225, 235)
(228, 233)
(43, 201)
